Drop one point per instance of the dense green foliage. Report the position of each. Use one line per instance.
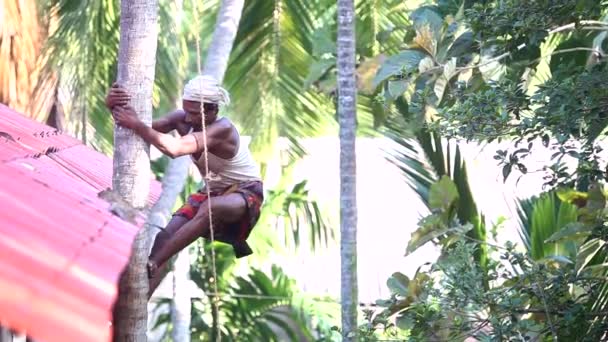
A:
(533, 74)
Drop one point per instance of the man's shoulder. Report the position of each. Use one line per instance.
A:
(177, 114)
(225, 125)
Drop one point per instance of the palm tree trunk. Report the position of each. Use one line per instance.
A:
(226, 27)
(131, 174)
(347, 100)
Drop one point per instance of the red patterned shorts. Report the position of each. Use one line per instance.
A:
(234, 233)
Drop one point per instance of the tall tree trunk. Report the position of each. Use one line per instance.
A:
(226, 27)
(347, 101)
(131, 174)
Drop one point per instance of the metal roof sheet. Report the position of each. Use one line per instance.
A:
(61, 250)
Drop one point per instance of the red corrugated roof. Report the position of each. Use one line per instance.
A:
(61, 250)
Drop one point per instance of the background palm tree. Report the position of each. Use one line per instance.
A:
(347, 112)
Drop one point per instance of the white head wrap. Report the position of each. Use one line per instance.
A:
(204, 88)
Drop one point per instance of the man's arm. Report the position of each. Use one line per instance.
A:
(118, 97)
(167, 143)
(169, 122)
(178, 146)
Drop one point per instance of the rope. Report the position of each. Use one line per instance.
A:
(215, 299)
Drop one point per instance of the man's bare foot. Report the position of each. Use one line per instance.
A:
(152, 269)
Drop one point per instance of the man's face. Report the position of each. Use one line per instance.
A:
(193, 112)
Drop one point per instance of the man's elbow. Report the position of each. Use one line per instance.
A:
(173, 153)
(169, 152)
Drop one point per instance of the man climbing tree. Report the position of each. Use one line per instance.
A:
(233, 179)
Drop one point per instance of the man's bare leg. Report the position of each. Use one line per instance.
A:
(161, 238)
(225, 209)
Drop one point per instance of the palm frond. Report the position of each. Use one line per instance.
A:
(82, 51)
(266, 74)
(290, 207)
(265, 310)
(540, 217)
(440, 158)
(22, 34)
(258, 306)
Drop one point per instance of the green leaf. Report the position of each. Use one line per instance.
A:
(570, 231)
(587, 252)
(461, 45)
(426, 234)
(398, 283)
(574, 58)
(317, 69)
(426, 64)
(570, 195)
(394, 65)
(506, 171)
(383, 36)
(402, 106)
(426, 16)
(449, 69)
(558, 258)
(439, 88)
(323, 42)
(490, 68)
(397, 88)
(543, 220)
(405, 321)
(443, 194)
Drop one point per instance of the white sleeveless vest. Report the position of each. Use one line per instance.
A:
(226, 172)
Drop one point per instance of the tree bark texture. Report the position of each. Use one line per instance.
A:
(132, 174)
(226, 27)
(347, 102)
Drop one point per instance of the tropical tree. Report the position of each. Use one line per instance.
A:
(22, 36)
(347, 112)
(504, 87)
(131, 173)
(267, 71)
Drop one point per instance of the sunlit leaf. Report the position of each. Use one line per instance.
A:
(426, 233)
(443, 194)
(426, 17)
(405, 321)
(462, 45)
(574, 230)
(404, 62)
(317, 69)
(426, 64)
(398, 283)
(587, 251)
